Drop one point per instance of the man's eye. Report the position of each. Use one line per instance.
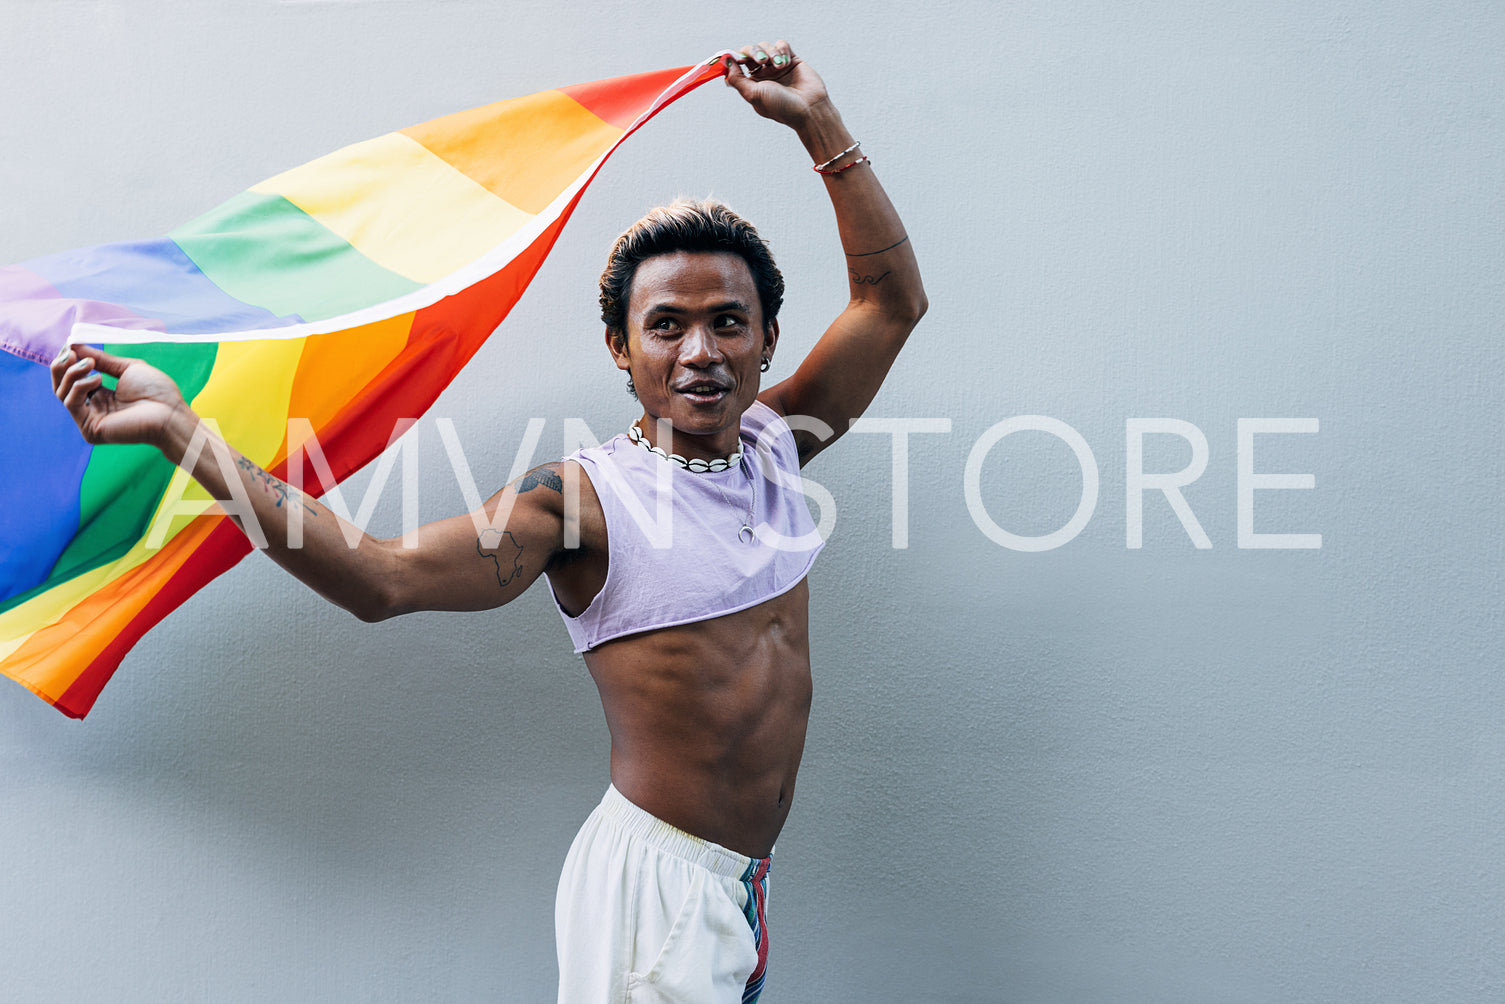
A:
(727, 321)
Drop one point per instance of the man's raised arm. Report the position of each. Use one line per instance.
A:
(839, 378)
(456, 564)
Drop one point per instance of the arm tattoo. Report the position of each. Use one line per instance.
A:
(490, 545)
(545, 475)
(279, 490)
(864, 254)
(869, 280)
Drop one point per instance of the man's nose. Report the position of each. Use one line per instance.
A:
(698, 348)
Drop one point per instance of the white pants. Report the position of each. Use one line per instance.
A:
(648, 913)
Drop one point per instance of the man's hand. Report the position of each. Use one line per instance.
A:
(138, 410)
(777, 83)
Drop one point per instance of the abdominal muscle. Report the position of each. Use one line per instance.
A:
(708, 719)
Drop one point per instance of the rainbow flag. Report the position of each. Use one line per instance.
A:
(348, 291)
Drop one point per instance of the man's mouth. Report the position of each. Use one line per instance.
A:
(703, 391)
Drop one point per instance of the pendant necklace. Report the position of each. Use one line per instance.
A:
(746, 534)
(751, 537)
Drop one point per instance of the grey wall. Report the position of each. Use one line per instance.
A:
(1088, 774)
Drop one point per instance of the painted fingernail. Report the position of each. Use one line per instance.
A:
(780, 59)
(761, 56)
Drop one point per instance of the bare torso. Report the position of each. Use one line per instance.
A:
(707, 719)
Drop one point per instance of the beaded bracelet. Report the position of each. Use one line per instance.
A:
(821, 168)
(847, 167)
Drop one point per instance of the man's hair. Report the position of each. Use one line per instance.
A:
(687, 225)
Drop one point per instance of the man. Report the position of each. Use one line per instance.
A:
(698, 643)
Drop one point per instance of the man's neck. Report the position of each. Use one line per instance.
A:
(717, 446)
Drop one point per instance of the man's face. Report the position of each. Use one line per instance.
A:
(695, 339)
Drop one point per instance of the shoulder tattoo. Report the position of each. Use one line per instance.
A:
(544, 475)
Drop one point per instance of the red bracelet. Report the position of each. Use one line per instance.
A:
(827, 163)
(847, 167)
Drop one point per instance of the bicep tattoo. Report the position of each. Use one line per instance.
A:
(502, 550)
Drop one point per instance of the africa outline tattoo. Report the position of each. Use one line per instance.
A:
(483, 548)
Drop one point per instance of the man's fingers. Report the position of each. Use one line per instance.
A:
(766, 75)
(76, 397)
(76, 355)
(59, 366)
(740, 81)
(742, 60)
(78, 371)
(66, 371)
(107, 364)
(773, 59)
(761, 61)
(756, 58)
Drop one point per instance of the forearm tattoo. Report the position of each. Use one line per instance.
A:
(503, 551)
(868, 280)
(280, 491)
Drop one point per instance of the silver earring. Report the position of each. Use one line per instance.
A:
(630, 388)
(764, 368)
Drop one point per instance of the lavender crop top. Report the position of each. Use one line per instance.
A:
(674, 556)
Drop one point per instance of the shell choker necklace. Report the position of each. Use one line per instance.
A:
(697, 465)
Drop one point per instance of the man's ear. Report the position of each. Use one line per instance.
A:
(770, 337)
(616, 342)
